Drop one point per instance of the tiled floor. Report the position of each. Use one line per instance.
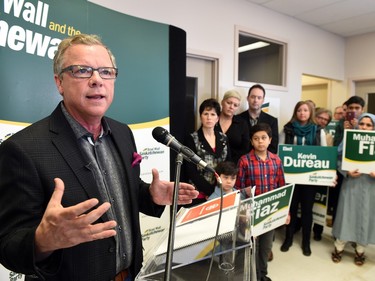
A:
(293, 265)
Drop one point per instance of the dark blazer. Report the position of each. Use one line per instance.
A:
(29, 161)
(270, 120)
(238, 138)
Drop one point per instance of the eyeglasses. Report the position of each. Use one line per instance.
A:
(83, 71)
(322, 118)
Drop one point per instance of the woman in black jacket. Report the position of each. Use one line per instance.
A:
(302, 130)
(211, 146)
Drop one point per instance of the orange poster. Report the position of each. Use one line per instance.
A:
(209, 207)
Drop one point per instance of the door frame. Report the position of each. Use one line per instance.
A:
(214, 60)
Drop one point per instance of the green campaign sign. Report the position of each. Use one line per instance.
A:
(331, 127)
(320, 205)
(308, 164)
(359, 151)
(271, 209)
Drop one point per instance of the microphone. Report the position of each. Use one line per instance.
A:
(163, 136)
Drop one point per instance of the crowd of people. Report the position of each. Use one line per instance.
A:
(309, 125)
(63, 218)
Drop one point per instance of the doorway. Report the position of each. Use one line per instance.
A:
(315, 89)
(325, 92)
(371, 103)
(366, 90)
(201, 83)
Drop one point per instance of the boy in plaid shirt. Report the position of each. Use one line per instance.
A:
(262, 169)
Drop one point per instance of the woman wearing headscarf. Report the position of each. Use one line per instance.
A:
(355, 221)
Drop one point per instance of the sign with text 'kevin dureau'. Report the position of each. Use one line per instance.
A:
(309, 164)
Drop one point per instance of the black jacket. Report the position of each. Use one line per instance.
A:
(271, 121)
(29, 161)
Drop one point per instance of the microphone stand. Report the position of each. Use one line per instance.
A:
(172, 225)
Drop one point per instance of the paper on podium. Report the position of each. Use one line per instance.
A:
(199, 223)
(195, 236)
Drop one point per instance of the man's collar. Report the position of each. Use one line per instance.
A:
(79, 130)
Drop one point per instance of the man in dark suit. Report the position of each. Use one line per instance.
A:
(70, 191)
(255, 115)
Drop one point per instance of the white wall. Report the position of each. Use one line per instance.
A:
(360, 65)
(360, 57)
(210, 28)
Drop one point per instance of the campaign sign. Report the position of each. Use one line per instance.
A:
(331, 127)
(271, 209)
(309, 164)
(210, 207)
(320, 205)
(359, 151)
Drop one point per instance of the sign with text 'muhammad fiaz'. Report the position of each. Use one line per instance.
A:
(309, 164)
(359, 151)
(271, 209)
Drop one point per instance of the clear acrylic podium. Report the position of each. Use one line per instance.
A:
(194, 244)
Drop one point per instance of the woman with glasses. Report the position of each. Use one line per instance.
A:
(322, 118)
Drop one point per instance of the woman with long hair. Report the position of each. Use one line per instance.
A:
(302, 130)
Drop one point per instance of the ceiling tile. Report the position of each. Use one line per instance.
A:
(343, 17)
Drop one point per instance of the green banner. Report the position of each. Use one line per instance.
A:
(359, 151)
(308, 164)
(30, 32)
